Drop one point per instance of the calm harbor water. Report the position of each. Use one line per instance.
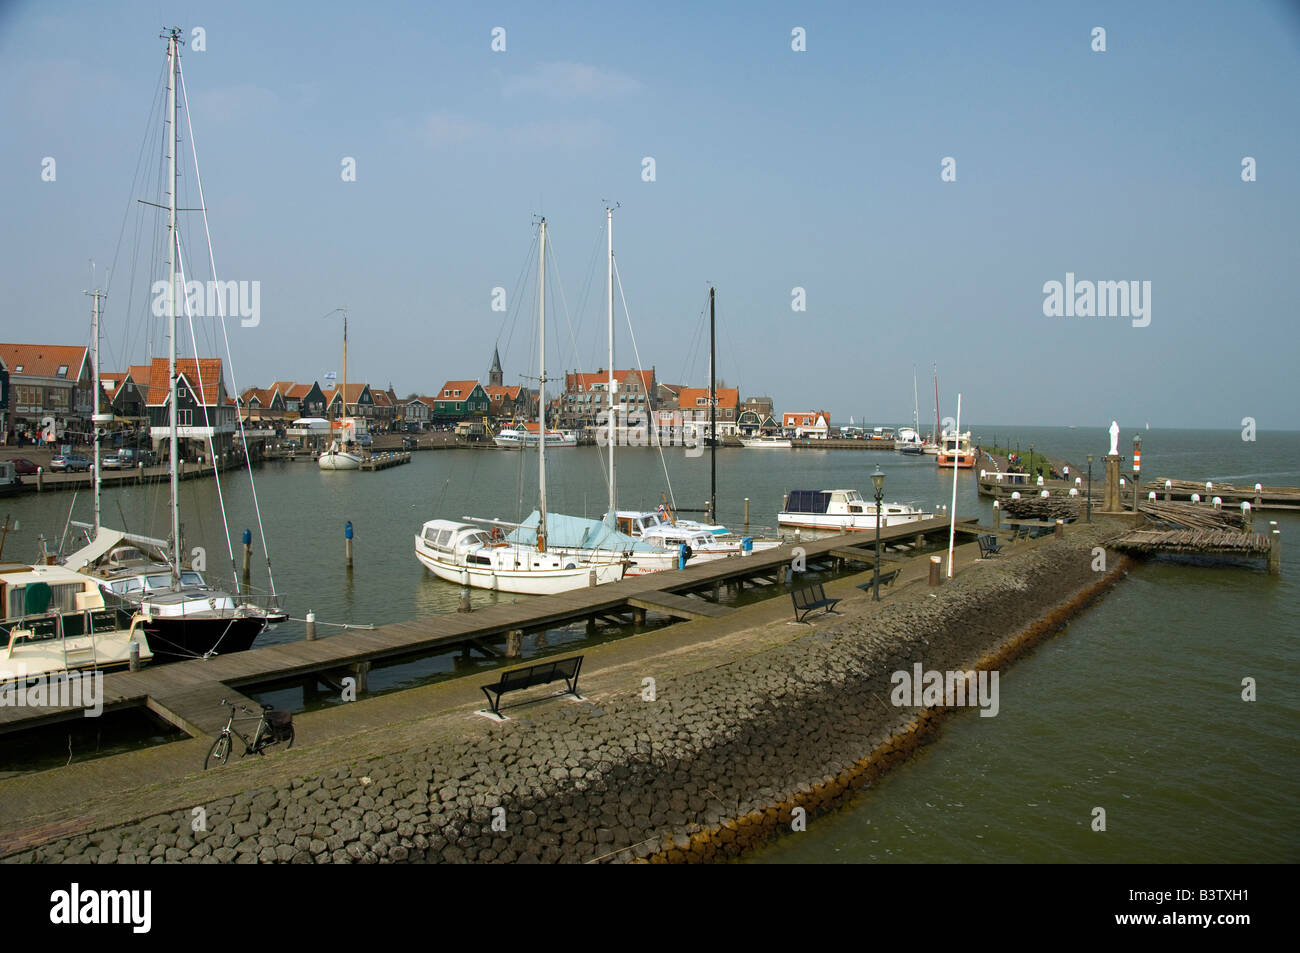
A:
(1135, 707)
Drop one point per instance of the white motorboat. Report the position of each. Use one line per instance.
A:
(956, 452)
(766, 442)
(843, 510)
(55, 621)
(521, 438)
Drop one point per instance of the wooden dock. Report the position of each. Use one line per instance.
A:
(1265, 498)
(188, 694)
(385, 459)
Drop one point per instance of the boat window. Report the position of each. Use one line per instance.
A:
(158, 581)
(480, 560)
(444, 535)
(133, 585)
(191, 579)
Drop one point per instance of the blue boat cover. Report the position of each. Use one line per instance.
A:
(577, 532)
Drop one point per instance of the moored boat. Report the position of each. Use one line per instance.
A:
(766, 442)
(956, 452)
(843, 510)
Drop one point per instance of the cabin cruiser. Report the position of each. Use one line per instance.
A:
(843, 510)
(909, 442)
(512, 438)
(766, 442)
(184, 617)
(956, 452)
(56, 621)
(658, 527)
(483, 558)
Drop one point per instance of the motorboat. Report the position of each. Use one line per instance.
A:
(956, 452)
(55, 621)
(843, 510)
(766, 442)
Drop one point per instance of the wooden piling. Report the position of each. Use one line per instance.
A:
(1060, 529)
(311, 626)
(514, 643)
(935, 575)
(746, 512)
(1275, 553)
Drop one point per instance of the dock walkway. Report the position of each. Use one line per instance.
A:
(187, 693)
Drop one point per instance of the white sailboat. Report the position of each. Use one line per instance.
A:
(342, 453)
(184, 617)
(471, 555)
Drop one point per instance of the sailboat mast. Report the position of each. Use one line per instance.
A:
(343, 407)
(541, 390)
(173, 53)
(713, 420)
(916, 406)
(95, 420)
(612, 416)
(936, 403)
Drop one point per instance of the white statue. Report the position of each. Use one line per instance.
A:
(1114, 438)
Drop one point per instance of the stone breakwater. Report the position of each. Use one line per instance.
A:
(714, 764)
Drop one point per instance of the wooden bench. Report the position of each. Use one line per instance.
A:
(886, 579)
(989, 546)
(809, 600)
(542, 673)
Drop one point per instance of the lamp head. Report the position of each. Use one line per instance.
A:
(878, 480)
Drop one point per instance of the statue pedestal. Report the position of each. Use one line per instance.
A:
(1111, 502)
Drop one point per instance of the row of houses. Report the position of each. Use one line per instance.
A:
(50, 387)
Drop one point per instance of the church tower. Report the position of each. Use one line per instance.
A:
(494, 372)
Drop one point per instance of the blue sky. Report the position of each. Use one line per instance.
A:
(775, 169)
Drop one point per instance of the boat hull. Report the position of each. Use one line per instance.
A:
(545, 582)
(847, 524)
(176, 640)
(956, 461)
(336, 460)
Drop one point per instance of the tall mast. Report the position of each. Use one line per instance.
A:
(916, 407)
(344, 406)
(936, 403)
(612, 416)
(173, 55)
(95, 417)
(541, 390)
(713, 422)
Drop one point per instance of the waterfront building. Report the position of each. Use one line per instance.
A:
(458, 400)
(203, 409)
(693, 403)
(124, 397)
(807, 423)
(360, 402)
(585, 396)
(48, 381)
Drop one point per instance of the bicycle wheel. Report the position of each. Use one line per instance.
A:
(219, 753)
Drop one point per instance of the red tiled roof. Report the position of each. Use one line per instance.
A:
(804, 418)
(44, 360)
(465, 387)
(353, 394)
(727, 397)
(203, 375)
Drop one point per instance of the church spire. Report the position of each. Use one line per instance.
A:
(495, 376)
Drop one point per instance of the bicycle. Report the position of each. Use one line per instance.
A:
(273, 727)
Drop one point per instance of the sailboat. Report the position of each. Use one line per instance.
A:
(931, 446)
(474, 555)
(342, 453)
(909, 439)
(184, 617)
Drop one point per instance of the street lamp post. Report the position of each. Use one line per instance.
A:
(877, 481)
(1090, 488)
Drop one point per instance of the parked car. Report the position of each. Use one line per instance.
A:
(112, 461)
(70, 463)
(24, 467)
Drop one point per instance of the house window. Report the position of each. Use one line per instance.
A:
(184, 418)
(18, 369)
(62, 371)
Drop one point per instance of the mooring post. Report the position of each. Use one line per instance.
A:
(134, 649)
(780, 574)
(248, 555)
(746, 512)
(997, 515)
(514, 643)
(1060, 529)
(919, 541)
(1275, 553)
(638, 616)
(1259, 493)
(591, 579)
(935, 563)
(311, 625)
(362, 672)
(347, 537)
(464, 605)
(40, 479)
(1247, 517)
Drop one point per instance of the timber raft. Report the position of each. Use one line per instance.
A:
(188, 694)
